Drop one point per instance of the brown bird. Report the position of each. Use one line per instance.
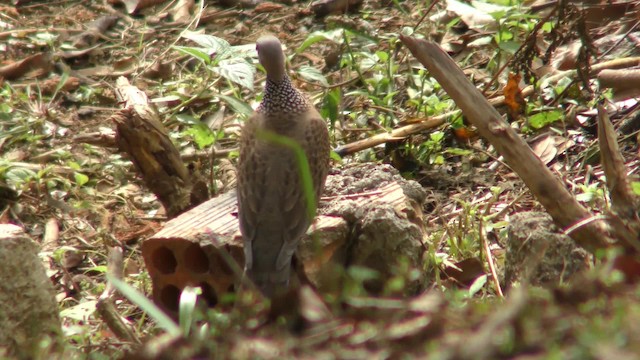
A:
(272, 206)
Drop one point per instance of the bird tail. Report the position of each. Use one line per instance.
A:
(271, 283)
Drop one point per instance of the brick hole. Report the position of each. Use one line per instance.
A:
(222, 263)
(164, 260)
(195, 259)
(209, 294)
(231, 289)
(170, 297)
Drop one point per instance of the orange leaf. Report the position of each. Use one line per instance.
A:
(513, 97)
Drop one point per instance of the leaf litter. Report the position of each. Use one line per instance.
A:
(58, 67)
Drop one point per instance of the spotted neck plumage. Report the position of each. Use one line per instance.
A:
(282, 97)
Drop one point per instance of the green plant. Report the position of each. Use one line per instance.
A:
(221, 58)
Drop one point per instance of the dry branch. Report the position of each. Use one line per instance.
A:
(547, 188)
(396, 134)
(620, 79)
(106, 308)
(404, 131)
(624, 202)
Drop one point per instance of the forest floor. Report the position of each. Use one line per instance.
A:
(64, 180)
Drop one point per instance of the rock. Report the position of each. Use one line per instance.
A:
(28, 309)
(382, 213)
(538, 254)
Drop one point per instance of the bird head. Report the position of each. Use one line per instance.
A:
(271, 57)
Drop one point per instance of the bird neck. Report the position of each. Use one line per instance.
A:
(282, 97)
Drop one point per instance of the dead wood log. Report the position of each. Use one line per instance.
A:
(142, 136)
(620, 79)
(546, 187)
(373, 220)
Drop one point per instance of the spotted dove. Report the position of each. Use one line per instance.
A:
(272, 206)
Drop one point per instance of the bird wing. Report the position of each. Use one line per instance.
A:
(251, 179)
(271, 200)
(315, 142)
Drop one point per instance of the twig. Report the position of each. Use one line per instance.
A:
(487, 250)
(105, 306)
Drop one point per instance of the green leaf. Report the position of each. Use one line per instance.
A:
(246, 50)
(187, 306)
(80, 312)
(437, 136)
(202, 135)
(331, 105)
(17, 176)
(237, 70)
(61, 83)
(635, 187)
(361, 273)
(187, 119)
(382, 55)
(195, 52)
(477, 285)
(74, 165)
(80, 178)
(312, 74)
(543, 119)
(334, 156)
(146, 305)
(318, 36)
(509, 46)
(237, 105)
(368, 61)
(407, 31)
(212, 44)
(98, 268)
(458, 151)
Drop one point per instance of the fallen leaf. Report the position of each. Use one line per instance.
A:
(71, 259)
(545, 147)
(513, 97)
(72, 54)
(137, 5)
(30, 67)
(466, 271)
(182, 11)
(49, 86)
(267, 7)
(95, 30)
(159, 70)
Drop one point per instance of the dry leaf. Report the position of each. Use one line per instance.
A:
(71, 259)
(95, 30)
(513, 97)
(267, 7)
(49, 86)
(466, 271)
(182, 11)
(326, 7)
(31, 67)
(159, 70)
(545, 147)
(137, 5)
(72, 54)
